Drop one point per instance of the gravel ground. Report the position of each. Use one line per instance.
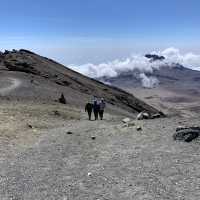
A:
(119, 163)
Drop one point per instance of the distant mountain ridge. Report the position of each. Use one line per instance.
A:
(166, 74)
(172, 88)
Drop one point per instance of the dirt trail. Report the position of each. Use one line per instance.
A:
(8, 84)
(119, 164)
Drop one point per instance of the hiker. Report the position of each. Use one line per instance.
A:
(88, 109)
(102, 106)
(96, 109)
(94, 99)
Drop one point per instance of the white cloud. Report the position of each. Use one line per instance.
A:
(148, 82)
(188, 60)
(140, 64)
(112, 69)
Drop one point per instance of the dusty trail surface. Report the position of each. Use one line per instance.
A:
(8, 84)
(120, 163)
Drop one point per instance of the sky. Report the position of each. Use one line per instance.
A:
(95, 31)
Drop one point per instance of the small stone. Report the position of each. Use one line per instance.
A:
(56, 112)
(155, 116)
(180, 128)
(62, 99)
(29, 125)
(126, 120)
(125, 126)
(89, 174)
(130, 124)
(138, 128)
(93, 137)
(69, 133)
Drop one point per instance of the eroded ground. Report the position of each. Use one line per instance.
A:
(120, 164)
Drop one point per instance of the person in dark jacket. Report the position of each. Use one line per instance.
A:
(96, 108)
(88, 109)
(102, 106)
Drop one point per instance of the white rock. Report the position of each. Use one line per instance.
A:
(126, 120)
(146, 115)
(89, 174)
(143, 115)
(140, 116)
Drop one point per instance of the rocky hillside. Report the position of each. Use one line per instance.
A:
(40, 78)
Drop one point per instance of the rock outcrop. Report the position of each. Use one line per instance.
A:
(186, 134)
(154, 57)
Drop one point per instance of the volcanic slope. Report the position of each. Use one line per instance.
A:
(177, 90)
(25, 75)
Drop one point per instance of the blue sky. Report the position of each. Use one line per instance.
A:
(81, 31)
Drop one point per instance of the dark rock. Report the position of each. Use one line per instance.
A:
(191, 136)
(154, 57)
(139, 128)
(186, 134)
(6, 52)
(186, 128)
(29, 126)
(155, 116)
(21, 67)
(62, 99)
(93, 138)
(14, 51)
(45, 76)
(69, 133)
(57, 113)
(63, 83)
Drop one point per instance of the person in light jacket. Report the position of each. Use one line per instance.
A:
(102, 106)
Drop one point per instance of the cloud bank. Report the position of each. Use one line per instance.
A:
(141, 64)
(148, 82)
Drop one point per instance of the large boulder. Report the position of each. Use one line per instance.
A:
(186, 134)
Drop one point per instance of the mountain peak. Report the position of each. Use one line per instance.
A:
(155, 57)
